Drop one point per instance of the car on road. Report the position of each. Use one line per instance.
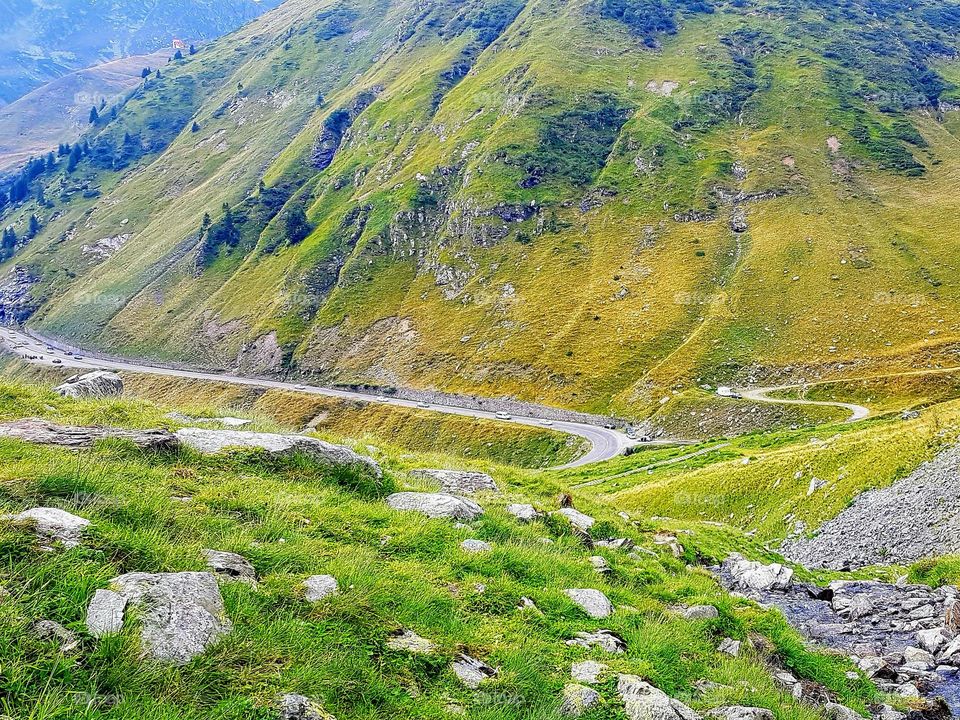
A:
(546, 423)
(299, 387)
(423, 405)
(78, 357)
(502, 416)
(57, 361)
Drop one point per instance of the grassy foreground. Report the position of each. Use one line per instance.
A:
(396, 570)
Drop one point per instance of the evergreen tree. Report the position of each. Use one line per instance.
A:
(178, 55)
(8, 243)
(193, 49)
(41, 197)
(296, 225)
(195, 127)
(74, 158)
(157, 74)
(51, 161)
(145, 73)
(94, 115)
(33, 227)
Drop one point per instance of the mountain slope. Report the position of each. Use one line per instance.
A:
(592, 204)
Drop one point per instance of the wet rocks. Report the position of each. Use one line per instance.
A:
(231, 566)
(210, 442)
(470, 671)
(317, 587)
(181, 614)
(53, 525)
(738, 573)
(436, 505)
(459, 482)
(43, 432)
(577, 699)
(99, 384)
(593, 602)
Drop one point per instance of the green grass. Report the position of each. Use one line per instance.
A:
(293, 518)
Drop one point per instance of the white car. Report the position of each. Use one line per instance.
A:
(299, 387)
(502, 416)
(546, 423)
(423, 405)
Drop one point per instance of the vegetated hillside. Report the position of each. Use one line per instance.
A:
(44, 40)
(59, 112)
(591, 204)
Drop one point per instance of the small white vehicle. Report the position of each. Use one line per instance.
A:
(546, 423)
(299, 387)
(502, 416)
(423, 405)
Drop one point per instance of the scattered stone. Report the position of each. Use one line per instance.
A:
(577, 699)
(600, 564)
(459, 482)
(701, 612)
(471, 671)
(53, 525)
(587, 671)
(317, 587)
(475, 546)
(105, 613)
(624, 544)
(740, 712)
(50, 630)
(670, 541)
(642, 701)
(211, 442)
(606, 640)
(523, 513)
(738, 573)
(182, 614)
(99, 384)
(576, 518)
(593, 602)
(43, 432)
(527, 604)
(409, 641)
(730, 647)
(836, 711)
(299, 707)
(919, 658)
(231, 565)
(436, 505)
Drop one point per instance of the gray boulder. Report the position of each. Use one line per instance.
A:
(300, 707)
(577, 699)
(740, 712)
(593, 602)
(105, 613)
(317, 587)
(211, 442)
(522, 512)
(701, 612)
(231, 566)
(44, 432)
(459, 482)
(836, 711)
(606, 640)
(99, 384)
(471, 671)
(55, 632)
(748, 576)
(642, 701)
(576, 518)
(587, 671)
(53, 525)
(409, 641)
(475, 546)
(181, 614)
(436, 505)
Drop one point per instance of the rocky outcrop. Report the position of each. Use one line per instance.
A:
(99, 384)
(44, 432)
(475, 546)
(436, 505)
(300, 707)
(577, 699)
(523, 512)
(588, 671)
(409, 641)
(216, 441)
(16, 299)
(916, 517)
(579, 520)
(53, 525)
(181, 614)
(459, 482)
(738, 573)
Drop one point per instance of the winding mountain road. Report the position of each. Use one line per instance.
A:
(857, 412)
(606, 443)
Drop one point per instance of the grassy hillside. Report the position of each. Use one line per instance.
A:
(574, 202)
(396, 571)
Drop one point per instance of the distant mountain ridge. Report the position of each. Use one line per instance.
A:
(45, 40)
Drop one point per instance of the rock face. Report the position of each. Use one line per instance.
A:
(747, 576)
(53, 525)
(471, 671)
(642, 701)
(99, 384)
(215, 441)
(897, 634)
(916, 517)
(317, 587)
(182, 614)
(577, 699)
(43, 432)
(593, 602)
(436, 505)
(231, 566)
(460, 482)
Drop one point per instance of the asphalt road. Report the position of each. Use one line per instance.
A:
(605, 443)
(857, 412)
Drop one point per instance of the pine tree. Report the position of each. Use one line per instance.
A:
(178, 55)
(74, 158)
(157, 74)
(193, 49)
(51, 161)
(94, 115)
(33, 227)
(145, 73)
(195, 127)
(41, 197)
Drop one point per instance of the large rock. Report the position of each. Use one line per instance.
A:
(181, 614)
(642, 701)
(577, 699)
(317, 587)
(53, 525)
(471, 671)
(459, 482)
(231, 566)
(105, 613)
(99, 384)
(748, 576)
(216, 441)
(300, 707)
(606, 640)
(44, 432)
(740, 712)
(587, 671)
(472, 545)
(436, 505)
(579, 520)
(522, 512)
(409, 641)
(593, 602)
